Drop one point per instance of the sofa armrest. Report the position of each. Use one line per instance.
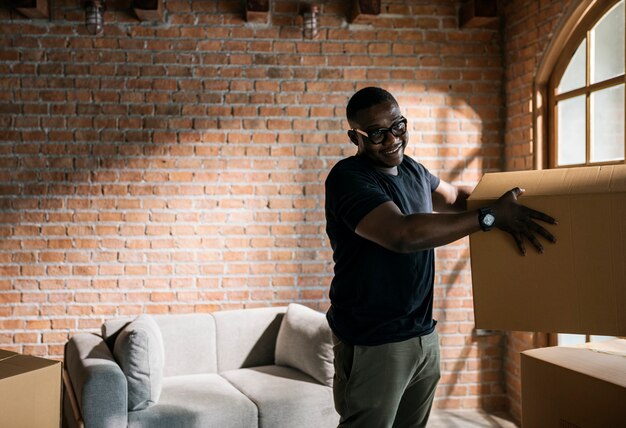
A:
(97, 382)
(72, 417)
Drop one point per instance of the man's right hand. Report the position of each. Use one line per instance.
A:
(519, 220)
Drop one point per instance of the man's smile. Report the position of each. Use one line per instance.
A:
(393, 151)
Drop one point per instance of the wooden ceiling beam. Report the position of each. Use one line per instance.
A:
(148, 10)
(478, 13)
(32, 8)
(257, 10)
(364, 10)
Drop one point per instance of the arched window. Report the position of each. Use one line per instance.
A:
(582, 120)
(579, 101)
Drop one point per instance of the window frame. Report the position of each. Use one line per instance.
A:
(568, 36)
(580, 33)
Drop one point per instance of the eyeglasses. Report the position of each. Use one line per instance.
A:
(377, 136)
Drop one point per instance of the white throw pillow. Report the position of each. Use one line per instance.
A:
(305, 343)
(139, 352)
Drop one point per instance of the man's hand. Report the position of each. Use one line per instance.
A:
(518, 220)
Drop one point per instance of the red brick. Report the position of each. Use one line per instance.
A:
(208, 170)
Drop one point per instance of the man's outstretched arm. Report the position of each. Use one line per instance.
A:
(388, 227)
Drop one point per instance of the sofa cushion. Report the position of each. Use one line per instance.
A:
(247, 337)
(197, 401)
(305, 342)
(139, 352)
(111, 328)
(286, 397)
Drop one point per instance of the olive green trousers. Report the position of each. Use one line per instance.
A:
(385, 386)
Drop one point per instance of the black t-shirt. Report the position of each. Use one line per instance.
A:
(377, 295)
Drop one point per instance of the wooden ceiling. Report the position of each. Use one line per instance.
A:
(472, 13)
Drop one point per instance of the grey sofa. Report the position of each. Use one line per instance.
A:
(262, 367)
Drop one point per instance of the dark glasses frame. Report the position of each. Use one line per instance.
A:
(372, 135)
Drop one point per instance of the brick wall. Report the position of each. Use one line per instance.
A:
(528, 28)
(178, 166)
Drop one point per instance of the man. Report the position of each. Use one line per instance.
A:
(381, 226)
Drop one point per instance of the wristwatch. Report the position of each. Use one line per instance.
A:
(486, 218)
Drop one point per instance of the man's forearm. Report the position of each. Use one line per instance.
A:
(426, 231)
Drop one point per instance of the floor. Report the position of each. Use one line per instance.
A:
(468, 419)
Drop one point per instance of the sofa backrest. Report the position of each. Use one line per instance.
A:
(247, 337)
(188, 343)
(212, 343)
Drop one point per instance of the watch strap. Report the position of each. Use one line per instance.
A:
(486, 218)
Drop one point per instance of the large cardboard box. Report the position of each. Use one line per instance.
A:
(574, 387)
(30, 391)
(579, 284)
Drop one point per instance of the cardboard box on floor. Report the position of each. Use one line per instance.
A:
(30, 391)
(582, 386)
(579, 284)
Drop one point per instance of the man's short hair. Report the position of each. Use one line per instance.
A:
(366, 98)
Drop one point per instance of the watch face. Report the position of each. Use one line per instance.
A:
(489, 220)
